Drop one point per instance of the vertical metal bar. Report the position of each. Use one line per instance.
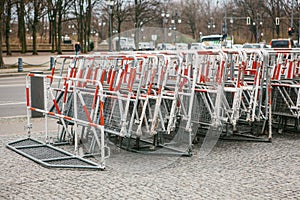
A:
(46, 88)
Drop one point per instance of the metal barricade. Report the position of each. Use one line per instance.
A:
(285, 87)
(159, 102)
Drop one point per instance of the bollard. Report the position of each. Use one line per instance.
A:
(20, 65)
(37, 94)
(51, 62)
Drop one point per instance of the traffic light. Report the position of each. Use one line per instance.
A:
(277, 21)
(248, 21)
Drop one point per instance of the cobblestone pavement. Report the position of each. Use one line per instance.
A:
(233, 170)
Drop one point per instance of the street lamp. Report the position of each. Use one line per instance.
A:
(51, 31)
(165, 16)
(256, 26)
(231, 27)
(110, 4)
(101, 25)
(175, 21)
(142, 36)
(211, 25)
(71, 28)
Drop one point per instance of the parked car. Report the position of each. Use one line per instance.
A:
(181, 46)
(255, 45)
(237, 46)
(165, 46)
(145, 46)
(197, 46)
(282, 43)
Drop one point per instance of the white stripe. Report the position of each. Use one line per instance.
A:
(15, 85)
(13, 117)
(12, 103)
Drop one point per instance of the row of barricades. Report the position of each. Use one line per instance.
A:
(145, 101)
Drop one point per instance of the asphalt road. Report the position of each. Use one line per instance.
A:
(12, 96)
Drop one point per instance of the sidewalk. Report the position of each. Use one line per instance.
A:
(30, 62)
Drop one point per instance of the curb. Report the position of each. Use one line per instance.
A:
(23, 73)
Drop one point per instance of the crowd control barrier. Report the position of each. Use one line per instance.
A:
(164, 101)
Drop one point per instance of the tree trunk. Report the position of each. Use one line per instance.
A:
(59, 28)
(88, 24)
(53, 31)
(7, 28)
(119, 36)
(1, 28)
(81, 26)
(136, 24)
(50, 21)
(34, 26)
(22, 30)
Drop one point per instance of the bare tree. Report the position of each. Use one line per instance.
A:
(274, 9)
(36, 8)
(121, 12)
(87, 34)
(59, 6)
(52, 15)
(21, 25)
(193, 13)
(82, 13)
(1, 33)
(145, 12)
(8, 7)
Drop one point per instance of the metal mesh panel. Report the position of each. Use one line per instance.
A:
(43, 152)
(69, 162)
(26, 142)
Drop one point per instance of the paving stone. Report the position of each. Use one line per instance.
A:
(233, 170)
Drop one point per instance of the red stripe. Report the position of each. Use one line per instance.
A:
(95, 74)
(120, 81)
(68, 118)
(218, 74)
(278, 71)
(51, 113)
(152, 79)
(254, 66)
(66, 91)
(126, 71)
(94, 125)
(101, 114)
(255, 77)
(206, 72)
(56, 106)
(130, 75)
(89, 72)
(112, 80)
(80, 76)
(87, 113)
(27, 96)
(222, 71)
(71, 73)
(103, 76)
(239, 76)
(108, 77)
(290, 70)
(52, 73)
(95, 97)
(131, 81)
